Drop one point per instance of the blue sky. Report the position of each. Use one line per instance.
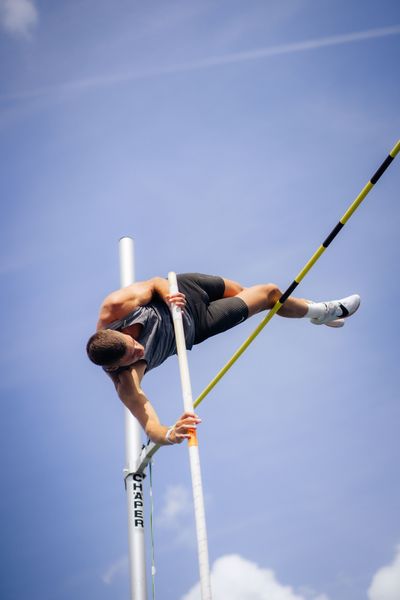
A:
(226, 138)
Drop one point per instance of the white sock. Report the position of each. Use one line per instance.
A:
(316, 310)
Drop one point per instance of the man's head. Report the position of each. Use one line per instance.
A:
(113, 349)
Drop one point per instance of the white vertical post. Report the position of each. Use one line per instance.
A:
(133, 446)
(194, 456)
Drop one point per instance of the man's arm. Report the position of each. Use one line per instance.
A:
(121, 302)
(127, 384)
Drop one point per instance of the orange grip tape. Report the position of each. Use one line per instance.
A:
(192, 441)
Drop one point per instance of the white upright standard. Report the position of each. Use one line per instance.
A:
(194, 457)
(133, 446)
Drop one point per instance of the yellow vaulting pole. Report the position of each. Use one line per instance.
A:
(349, 212)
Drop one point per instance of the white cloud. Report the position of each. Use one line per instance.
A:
(119, 567)
(385, 583)
(236, 578)
(18, 16)
(177, 504)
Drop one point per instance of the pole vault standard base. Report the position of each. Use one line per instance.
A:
(137, 559)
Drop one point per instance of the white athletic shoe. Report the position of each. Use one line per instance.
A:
(338, 310)
(336, 323)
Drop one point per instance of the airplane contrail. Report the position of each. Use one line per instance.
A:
(292, 48)
(207, 63)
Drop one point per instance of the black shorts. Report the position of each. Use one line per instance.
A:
(212, 313)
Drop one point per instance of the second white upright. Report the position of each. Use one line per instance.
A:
(198, 497)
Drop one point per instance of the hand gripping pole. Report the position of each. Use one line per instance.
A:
(193, 447)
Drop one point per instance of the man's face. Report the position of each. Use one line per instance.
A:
(133, 353)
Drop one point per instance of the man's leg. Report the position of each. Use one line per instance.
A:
(226, 303)
(232, 288)
(264, 296)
